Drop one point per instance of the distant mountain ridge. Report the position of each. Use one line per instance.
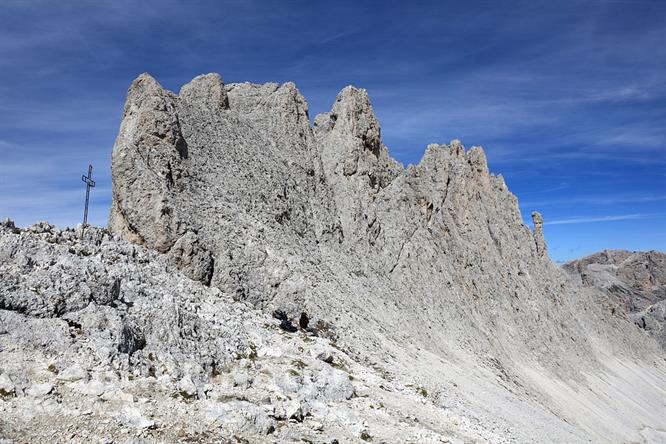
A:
(635, 281)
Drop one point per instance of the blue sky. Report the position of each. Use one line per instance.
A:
(568, 98)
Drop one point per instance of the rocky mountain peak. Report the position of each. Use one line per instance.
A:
(353, 114)
(282, 281)
(149, 154)
(308, 183)
(207, 92)
(144, 86)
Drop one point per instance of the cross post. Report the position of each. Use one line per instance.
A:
(89, 184)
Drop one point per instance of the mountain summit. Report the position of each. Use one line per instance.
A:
(410, 304)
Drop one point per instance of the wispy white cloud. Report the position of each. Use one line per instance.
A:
(599, 200)
(337, 36)
(586, 220)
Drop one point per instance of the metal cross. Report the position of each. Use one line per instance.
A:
(89, 184)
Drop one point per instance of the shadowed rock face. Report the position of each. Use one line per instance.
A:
(635, 283)
(411, 269)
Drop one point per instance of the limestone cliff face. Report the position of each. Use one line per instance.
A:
(356, 163)
(240, 190)
(254, 191)
(148, 167)
(401, 264)
(276, 202)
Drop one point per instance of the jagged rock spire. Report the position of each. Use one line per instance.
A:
(539, 240)
(147, 167)
(205, 92)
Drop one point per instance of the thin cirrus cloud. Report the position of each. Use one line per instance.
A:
(587, 220)
(596, 200)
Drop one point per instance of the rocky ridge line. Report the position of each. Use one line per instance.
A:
(416, 268)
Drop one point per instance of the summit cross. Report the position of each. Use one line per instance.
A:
(89, 184)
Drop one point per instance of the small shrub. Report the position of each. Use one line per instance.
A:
(299, 364)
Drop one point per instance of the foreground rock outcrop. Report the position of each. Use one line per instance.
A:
(635, 283)
(421, 284)
(101, 339)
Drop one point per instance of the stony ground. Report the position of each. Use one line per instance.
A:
(71, 371)
(68, 373)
